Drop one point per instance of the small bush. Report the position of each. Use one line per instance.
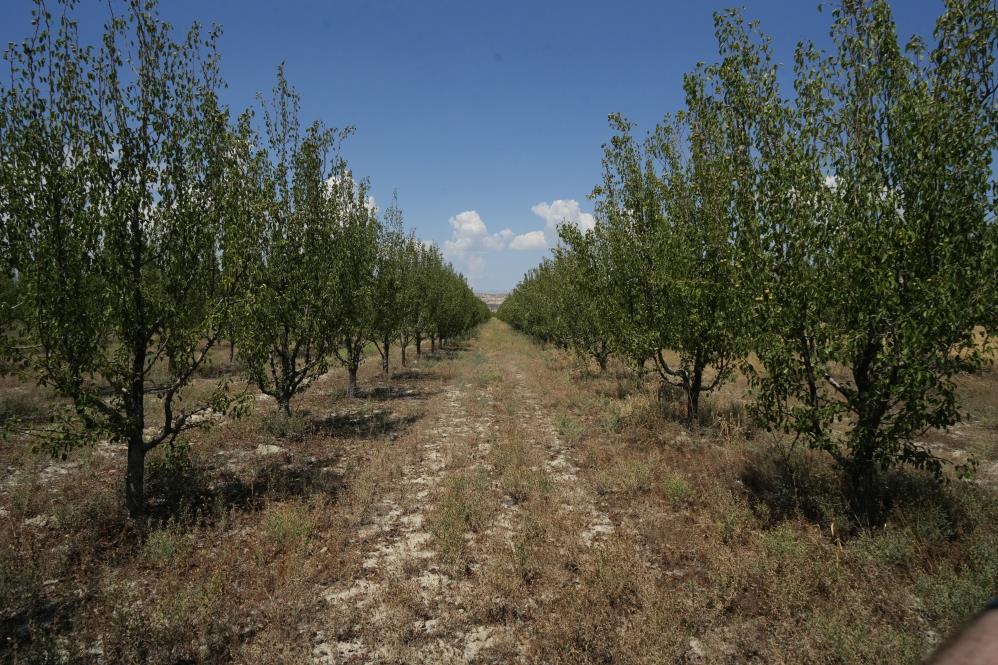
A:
(283, 426)
(288, 526)
(890, 546)
(569, 428)
(610, 423)
(164, 547)
(676, 489)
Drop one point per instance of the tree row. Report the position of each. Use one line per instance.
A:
(143, 223)
(836, 244)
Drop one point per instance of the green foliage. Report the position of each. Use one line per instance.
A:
(676, 489)
(875, 200)
(140, 225)
(289, 526)
(845, 236)
(112, 172)
(284, 323)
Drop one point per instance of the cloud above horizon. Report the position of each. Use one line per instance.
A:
(529, 240)
(471, 240)
(563, 211)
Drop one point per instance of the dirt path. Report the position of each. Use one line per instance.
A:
(447, 565)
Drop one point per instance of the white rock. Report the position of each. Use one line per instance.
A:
(40, 521)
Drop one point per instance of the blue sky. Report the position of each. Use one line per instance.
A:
(485, 116)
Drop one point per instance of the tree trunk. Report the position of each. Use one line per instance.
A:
(864, 496)
(135, 476)
(352, 381)
(433, 343)
(693, 386)
(403, 353)
(601, 357)
(419, 345)
(692, 407)
(284, 404)
(386, 343)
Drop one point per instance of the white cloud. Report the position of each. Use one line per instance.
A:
(530, 240)
(469, 234)
(471, 240)
(563, 211)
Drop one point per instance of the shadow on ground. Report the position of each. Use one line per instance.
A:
(385, 393)
(362, 425)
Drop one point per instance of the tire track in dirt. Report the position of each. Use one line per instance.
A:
(396, 538)
(407, 603)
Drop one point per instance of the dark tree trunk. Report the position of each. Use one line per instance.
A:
(863, 478)
(692, 408)
(135, 476)
(602, 356)
(284, 404)
(386, 344)
(352, 380)
(419, 345)
(403, 345)
(693, 386)
(433, 343)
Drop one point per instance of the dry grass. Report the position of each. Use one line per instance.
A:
(240, 540)
(501, 504)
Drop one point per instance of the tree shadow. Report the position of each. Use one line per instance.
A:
(788, 483)
(27, 630)
(386, 393)
(204, 493)
(415, 375)
(450, 353)
(362, 425)
(218, 370)
(276, 481)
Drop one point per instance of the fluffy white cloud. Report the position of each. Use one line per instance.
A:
(470, 237)
(563, 211)
(530, 240)
(469, 234)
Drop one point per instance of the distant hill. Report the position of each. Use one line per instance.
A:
(493, 300)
